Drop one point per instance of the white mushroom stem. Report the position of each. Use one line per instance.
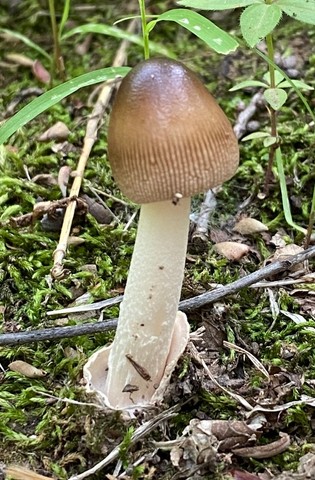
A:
(147, 314)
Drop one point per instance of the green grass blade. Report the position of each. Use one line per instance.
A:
(55, 95)
(311, 221)
(117, 33)
(27, 42)
(65, 16)
(284, 193)
(217, 4)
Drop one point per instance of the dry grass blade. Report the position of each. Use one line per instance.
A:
(92, 127)
(251, 357)
(195, 355)
(20, 473)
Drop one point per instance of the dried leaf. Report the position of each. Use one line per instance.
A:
(63, 174)
(277, 240)
(202, 439)
(20, 59)
(265, 451)
(75, 241)
(297, 318)
(242, 475)
(46, 179)
(40, 72)
(229, 433)
(59, 131)
(99, 212)
(249, 226)
(21, 473)
(232, 250)
(26, 369)
(64, 148)
(286, 252)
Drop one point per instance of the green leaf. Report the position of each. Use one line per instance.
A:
(55, 95)
(26, 41)
(248, 83)
(213, 36)
(10, 212)
(288, 79)
(278, 77)
(302, 10)
(270, 141)
(276, 97)
(297, 83)
(259, 20)
(217, 4)
(253, 136)
(117, 33)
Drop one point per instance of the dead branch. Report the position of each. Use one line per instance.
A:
(207, 298)
(265, 272)
(54, 333)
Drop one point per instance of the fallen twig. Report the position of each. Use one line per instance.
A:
(215, 295)
(251, 279)
(207, 207)
(93, 124)
(240, 126)
(54, 333)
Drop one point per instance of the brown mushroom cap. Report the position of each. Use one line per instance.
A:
(167, 135)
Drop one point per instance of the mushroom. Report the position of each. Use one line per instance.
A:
(168, 139)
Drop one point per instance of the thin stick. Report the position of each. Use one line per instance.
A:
(92, 128)
(55, 333)
(252, 278)
(207, 298)
(243, 118)
(207, 207)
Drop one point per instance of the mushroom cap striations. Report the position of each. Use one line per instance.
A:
(167, 135)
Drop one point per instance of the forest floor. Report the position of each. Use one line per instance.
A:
(251, 357)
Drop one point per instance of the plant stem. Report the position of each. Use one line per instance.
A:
(272, 112)
(311, 222)
(57, 51)
(145, 34)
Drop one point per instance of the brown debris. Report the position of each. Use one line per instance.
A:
(40, 72)
(232, 250)
(59, 131)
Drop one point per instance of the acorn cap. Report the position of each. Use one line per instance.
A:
(167, 135)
